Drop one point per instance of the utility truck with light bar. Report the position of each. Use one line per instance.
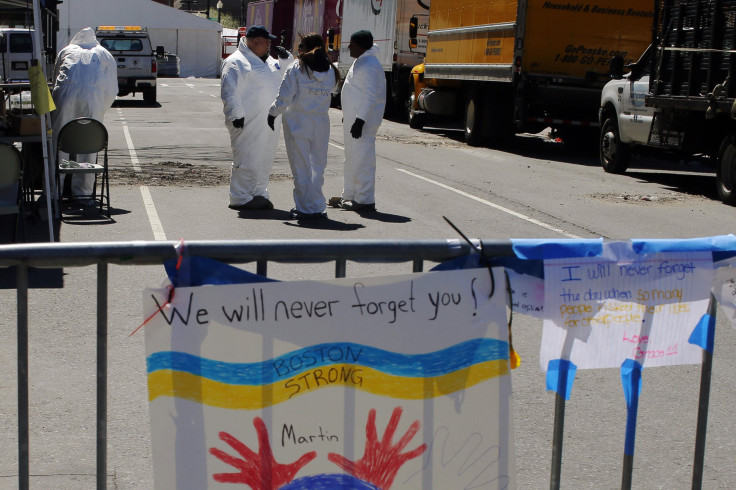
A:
(509, 67)
(135, 59)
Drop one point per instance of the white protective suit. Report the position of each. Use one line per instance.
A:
(248, 88)
(304, 101)
(363, 97)
(85, 85)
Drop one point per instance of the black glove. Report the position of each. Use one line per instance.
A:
(357, 129)
(239, 123)
(283, 53)
(271, 119)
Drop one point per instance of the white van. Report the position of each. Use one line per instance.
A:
(16, 51)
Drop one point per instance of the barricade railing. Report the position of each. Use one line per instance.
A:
(102, 254)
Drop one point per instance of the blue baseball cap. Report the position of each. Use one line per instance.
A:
(259, 31)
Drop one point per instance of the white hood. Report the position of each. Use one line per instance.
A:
(85, 38)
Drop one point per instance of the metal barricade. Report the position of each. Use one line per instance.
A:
(156, 253)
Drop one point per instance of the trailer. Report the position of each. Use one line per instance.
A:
(389, 22)
(523, 66)
(290, 19)
(679, 99)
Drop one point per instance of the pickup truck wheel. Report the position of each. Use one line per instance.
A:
(473, 118)
(149, 95)
(726, 172)
(614, 154)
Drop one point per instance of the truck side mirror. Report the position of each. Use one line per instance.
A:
(616, 68)
(413, 29)
(159, 51)
(330, 38)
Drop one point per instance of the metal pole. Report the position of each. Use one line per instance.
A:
(48, 161)
(340, 268)
(557, 434)
(208, 9)
(102, 376)
(23, 440)
(262, 268)
(702, 424)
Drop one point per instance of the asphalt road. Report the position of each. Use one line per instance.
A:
(170, 172)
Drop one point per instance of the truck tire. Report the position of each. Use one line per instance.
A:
(726, 171)
(614, 155)
(498, 117)
(415, 119)
(149, 95)
(473, 119)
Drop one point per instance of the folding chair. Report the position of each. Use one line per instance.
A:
(11, 195)
(84, 136)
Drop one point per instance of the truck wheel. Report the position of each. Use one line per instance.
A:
(416, 119)
(149, 95)
(473, 118)
(615, 156)
(498, 126)
(726, 172)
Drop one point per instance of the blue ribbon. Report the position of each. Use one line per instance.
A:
(560, 376)
(557, 249)
(631, 382)
(198, 271)
(721, 243)
(704, 333)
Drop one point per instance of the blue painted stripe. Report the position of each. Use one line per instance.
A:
(431, 364)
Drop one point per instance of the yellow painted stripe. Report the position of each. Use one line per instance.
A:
(247, 397)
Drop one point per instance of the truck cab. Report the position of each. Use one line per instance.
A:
(135, 59)
(625, 118)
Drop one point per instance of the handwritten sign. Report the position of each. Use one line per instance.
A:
(724, 288)
(601, 311)
(394, 382)
(527, 294)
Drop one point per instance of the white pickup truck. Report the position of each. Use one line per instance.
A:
(625, 118)
(679, 99)
(135, 59)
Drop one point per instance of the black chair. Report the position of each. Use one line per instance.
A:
(11, 185)
(84, 136)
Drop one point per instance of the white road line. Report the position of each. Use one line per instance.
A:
(337, 146)
(493, 205)
(153, 219)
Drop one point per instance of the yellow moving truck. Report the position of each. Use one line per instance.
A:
(522, 66)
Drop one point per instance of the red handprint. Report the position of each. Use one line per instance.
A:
(259, 471)
(381, 461)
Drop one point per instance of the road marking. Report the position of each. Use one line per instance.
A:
(493, 205)
(153, 219)
(337, 146)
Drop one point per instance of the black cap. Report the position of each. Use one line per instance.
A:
(259, 31)
(363, 38)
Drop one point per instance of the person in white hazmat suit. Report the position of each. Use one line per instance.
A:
(250, 80)
(304, 99)
(85, 85)
(363, 100)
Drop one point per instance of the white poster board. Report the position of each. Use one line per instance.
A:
(394, 382)
(601, 311)
(724, 288)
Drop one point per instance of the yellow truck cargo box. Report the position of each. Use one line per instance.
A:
(552, 37)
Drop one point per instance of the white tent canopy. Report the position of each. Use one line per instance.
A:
(195, 40)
